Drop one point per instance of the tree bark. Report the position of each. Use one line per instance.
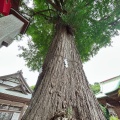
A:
(62, 91)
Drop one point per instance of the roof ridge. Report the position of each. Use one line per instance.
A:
(20, 79)
(109, 79)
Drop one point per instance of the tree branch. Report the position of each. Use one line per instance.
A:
(57, 3)
(114, 23)
(48, 8)
(39, 13)
(30, 12)
(56, 7)
(110, 15)
(89, 3)
(36, 13)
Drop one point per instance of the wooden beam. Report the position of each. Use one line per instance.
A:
(8, 79)
(12, 103)
(14, 98)
(22, 112)
(3, 110)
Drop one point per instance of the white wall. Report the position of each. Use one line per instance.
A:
(110, 85)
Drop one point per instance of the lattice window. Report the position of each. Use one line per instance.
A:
(6, 115)
(8, 112)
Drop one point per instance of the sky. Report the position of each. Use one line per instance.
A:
(105, 65)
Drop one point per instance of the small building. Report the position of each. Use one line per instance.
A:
(109, 95)
(15, 95)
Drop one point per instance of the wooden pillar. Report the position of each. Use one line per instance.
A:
(23, 111)
(10, 26)
(111, 109)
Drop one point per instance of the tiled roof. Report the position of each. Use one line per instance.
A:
(110, 79)
(15, 85)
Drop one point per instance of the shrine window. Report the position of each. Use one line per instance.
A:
(8, 112)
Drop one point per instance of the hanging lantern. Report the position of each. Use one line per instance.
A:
(13, 23)
(5, 6)
(8, 7)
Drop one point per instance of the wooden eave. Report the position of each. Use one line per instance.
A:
(14, 98)
(20, 79)
(24, 83)
(113, 92)
(9, 86)
(110, 100)
(12, 103)
(110, 79)
(7, 76)
(8, 79)
(115, 97)
(102, 100)
(18, 88)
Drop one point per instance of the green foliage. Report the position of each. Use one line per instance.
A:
(69, 112)
(114, 118)
(94, 23)
(105, 112)
(32, 87)
(95, 88)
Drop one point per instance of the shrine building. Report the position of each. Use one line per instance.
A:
(109, 95)
(15, 95)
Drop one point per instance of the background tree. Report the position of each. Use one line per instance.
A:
(95, 87)
(62, 90)
(32, 87)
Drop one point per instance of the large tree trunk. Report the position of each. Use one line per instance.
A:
(62, 92)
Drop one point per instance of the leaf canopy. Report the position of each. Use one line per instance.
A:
(94, 23)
